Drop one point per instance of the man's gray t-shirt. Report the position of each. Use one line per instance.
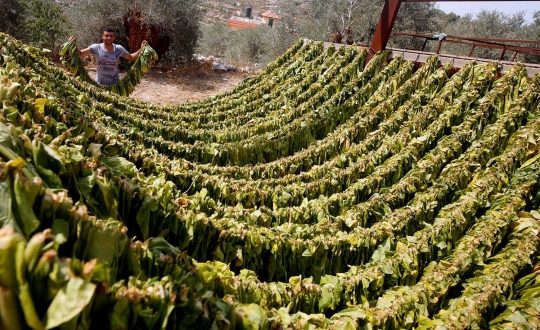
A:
(107, 63)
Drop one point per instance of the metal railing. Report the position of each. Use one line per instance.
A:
(503, 44)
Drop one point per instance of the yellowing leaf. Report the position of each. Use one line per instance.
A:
(40, 104)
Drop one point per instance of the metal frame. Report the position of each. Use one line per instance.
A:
(388, 18)
(459, 61)
(456, 60)
(502, 44)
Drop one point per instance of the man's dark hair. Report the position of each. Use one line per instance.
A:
(109, 30)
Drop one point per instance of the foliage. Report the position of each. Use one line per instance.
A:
(355, 19)
(40, 23)
(10, 13)
(215, 39)
(497, 25)
(321, 193)
(254, 45)
(348, 21)
(43, 23)
(415, 17)
(89, 27)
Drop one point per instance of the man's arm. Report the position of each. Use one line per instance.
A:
(132, 57)
(84, 52)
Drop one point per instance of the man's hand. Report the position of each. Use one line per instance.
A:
(134, 56)
(82, 53)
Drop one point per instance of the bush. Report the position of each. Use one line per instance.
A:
(493, 24)
(10, 13)
(43, 23)
(40, 23)
(250, 45)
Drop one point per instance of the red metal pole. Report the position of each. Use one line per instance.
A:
(502, 55)
(384, 27)
(439, 46)
(472, 50)
(425, 43)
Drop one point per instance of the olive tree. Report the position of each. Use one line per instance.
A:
(178, 20)
(416, 17)
(355, 21)
(496, 25)
(10, 13)
(40, 23)
(43, 23)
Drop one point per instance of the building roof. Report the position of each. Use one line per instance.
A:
(242, 23)
(271, 14)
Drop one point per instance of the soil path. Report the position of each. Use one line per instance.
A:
(179, 85)
(173, 87)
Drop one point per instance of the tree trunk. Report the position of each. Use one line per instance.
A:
(138, 30)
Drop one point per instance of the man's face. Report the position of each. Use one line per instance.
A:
(108, 37)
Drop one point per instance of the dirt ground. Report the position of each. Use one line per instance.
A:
(179, 85)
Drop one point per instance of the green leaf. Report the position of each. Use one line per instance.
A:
(380, 254)
(517, 318)
(161, 244)
(327, 299)
(60, 228)
(530, 162)
(143, 216)
(6, 139)
(69, 302)
(25, 193)
(12, 247)
(7, 218)
(48, 163)
(383, 303)
(94, 150)
(86, 185)
(253, 317)
(106, 241)
(307, 253)
(120, 165)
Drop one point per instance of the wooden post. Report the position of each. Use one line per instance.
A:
(384, 27)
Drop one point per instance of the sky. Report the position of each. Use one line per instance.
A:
(507, 7)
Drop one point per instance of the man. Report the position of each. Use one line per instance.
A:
(107, 56)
